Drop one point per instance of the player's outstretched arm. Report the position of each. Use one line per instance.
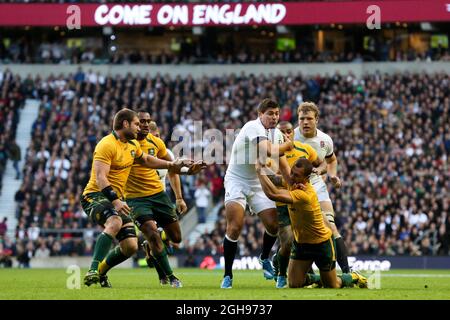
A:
(196, 167)
(271, 191)
(268, 149)
(285, 169)
(153, 162)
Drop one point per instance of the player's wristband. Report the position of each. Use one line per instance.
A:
(110, 194)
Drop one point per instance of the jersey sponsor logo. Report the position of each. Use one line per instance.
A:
(151, 151)
(322, 144)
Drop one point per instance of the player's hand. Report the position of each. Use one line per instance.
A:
(121, 207)
(316, 171)
(288, 142)
(181, 206)
(300, 186)
(196, 167)
(335, 181)
(175, 166)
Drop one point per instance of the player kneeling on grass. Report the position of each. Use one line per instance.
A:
(313, 240)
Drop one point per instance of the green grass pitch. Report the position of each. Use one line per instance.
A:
(204, 284)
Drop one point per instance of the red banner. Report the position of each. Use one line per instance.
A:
(224, 14)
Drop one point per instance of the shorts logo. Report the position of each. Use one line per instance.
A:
(133, 153)
(322, 144)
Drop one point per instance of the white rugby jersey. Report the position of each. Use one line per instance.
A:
(243, 153)
(322, 143)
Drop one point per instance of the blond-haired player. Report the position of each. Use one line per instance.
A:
(307, 132)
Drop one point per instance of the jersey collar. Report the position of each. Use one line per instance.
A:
(114, 133)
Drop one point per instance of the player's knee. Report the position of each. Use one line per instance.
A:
(285, 249)
(152, 235)
(272, 229)
(330, 284)
(113, 225)
(176, 237)
(148, 227)
(130, 248)
(234, 230)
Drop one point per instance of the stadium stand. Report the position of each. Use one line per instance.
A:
(32, 50)
(12, 97)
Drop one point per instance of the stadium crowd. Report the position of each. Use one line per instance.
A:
(12, 98)
(389, 131)
(35, 50)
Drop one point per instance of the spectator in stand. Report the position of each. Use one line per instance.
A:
(3, 227)
(5, 255)
(15, 156)
(24, 254)
(202, 195)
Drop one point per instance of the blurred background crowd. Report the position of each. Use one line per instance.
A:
(389, 131)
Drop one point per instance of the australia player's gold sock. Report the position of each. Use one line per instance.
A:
(101, 249)
(114, 257)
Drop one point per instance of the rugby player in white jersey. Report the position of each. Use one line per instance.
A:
(307, 132)
(257, 140)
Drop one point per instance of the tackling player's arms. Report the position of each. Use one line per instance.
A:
(271, 191)
(320, 166)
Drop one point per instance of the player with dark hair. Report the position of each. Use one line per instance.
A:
(102, 199)
(151, 205)
(257, 140)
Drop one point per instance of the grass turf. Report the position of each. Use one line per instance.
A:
(204, 284)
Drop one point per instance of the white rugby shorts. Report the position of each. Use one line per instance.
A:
(321, 190)
(244, 193)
